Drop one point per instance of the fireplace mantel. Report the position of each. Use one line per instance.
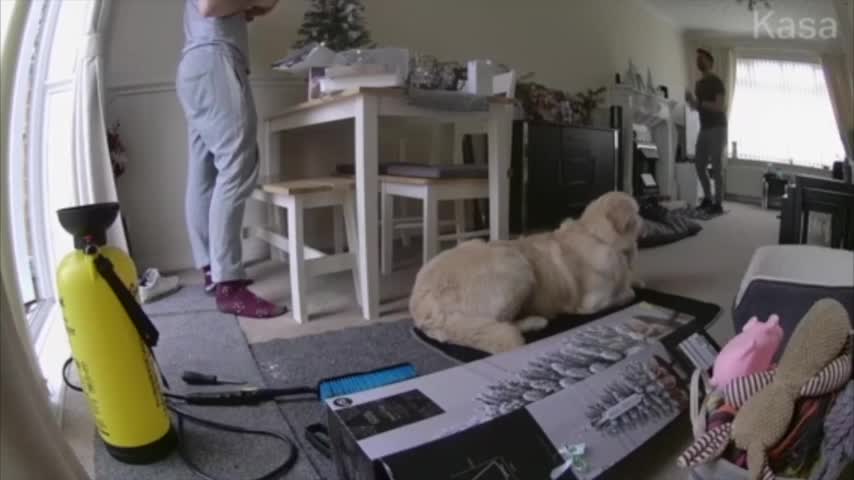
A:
(655, 112)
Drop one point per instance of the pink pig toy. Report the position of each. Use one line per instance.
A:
(749, 352)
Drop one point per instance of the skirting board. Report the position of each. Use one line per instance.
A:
(744, 199)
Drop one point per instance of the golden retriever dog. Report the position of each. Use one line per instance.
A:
(484, 295)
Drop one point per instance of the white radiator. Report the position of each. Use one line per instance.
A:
(744, 180)
(744, 177)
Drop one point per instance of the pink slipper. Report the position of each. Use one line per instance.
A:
(235, 298)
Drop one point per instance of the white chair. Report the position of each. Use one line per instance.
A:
(296, 196)
(502, 84)
(430, 191)
(433, 191)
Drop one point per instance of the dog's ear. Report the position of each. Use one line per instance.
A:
(623, 219)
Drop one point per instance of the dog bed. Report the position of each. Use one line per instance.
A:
(697, 214)
(704, 313)
(662, 226)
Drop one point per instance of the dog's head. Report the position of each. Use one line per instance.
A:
(613, 218)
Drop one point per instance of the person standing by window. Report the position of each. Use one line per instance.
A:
(708, 99)
(213, 88)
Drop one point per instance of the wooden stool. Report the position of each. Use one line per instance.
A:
(296, 196)
(430, 191)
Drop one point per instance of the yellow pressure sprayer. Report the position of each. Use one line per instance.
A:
(111, 339)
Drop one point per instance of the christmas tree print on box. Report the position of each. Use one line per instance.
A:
(587, 351)
(646, 392)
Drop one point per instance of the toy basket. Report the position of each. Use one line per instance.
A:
(719, 469)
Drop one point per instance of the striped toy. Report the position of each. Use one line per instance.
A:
(816, 361)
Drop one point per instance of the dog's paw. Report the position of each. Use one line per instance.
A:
(627, 296)
(499, 338)
(532, 324)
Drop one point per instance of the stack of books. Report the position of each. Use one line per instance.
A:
(348, 77)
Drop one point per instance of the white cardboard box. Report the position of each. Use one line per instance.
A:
(467, 415)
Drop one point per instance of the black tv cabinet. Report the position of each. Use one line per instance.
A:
(557, 170)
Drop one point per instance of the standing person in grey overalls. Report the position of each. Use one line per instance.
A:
(213, 87)
(708, 100)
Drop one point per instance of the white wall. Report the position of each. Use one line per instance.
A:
(568, 44)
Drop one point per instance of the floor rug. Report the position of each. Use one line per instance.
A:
(307, 360)
(209, 342)
(188, 299)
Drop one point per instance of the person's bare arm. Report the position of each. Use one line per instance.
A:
(691, 100)
(260, 8)
(224, 8)
(715, 106)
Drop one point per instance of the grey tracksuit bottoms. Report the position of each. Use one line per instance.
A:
(214, 91)
(710, 151)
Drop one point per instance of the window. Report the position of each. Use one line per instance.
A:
(781, 112)
(21, 173)
(40, 166)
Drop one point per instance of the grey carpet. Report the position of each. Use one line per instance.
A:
(709, 266)
(188, 299)
(306, 360)
(209, 342)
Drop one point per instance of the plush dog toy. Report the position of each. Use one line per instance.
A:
(814, 363)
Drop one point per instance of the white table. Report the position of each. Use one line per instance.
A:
(365, 106)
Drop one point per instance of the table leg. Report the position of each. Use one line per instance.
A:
(296, 265)
(338, 229)
(387, 229)
(500, 132)
(367, 164)
(349, 211)
(460, 213)
(431, 227)
(269, 150)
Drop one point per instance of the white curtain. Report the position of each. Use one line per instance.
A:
(839, 87)
(94, 181)
(725, 65)
(31, 443)
(845, 16)
(782, 113)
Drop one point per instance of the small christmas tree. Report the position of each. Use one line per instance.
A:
(339, 24)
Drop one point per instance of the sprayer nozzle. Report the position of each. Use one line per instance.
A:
(88, 224)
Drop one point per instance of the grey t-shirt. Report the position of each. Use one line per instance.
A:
(228, 32)
(707, 90)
